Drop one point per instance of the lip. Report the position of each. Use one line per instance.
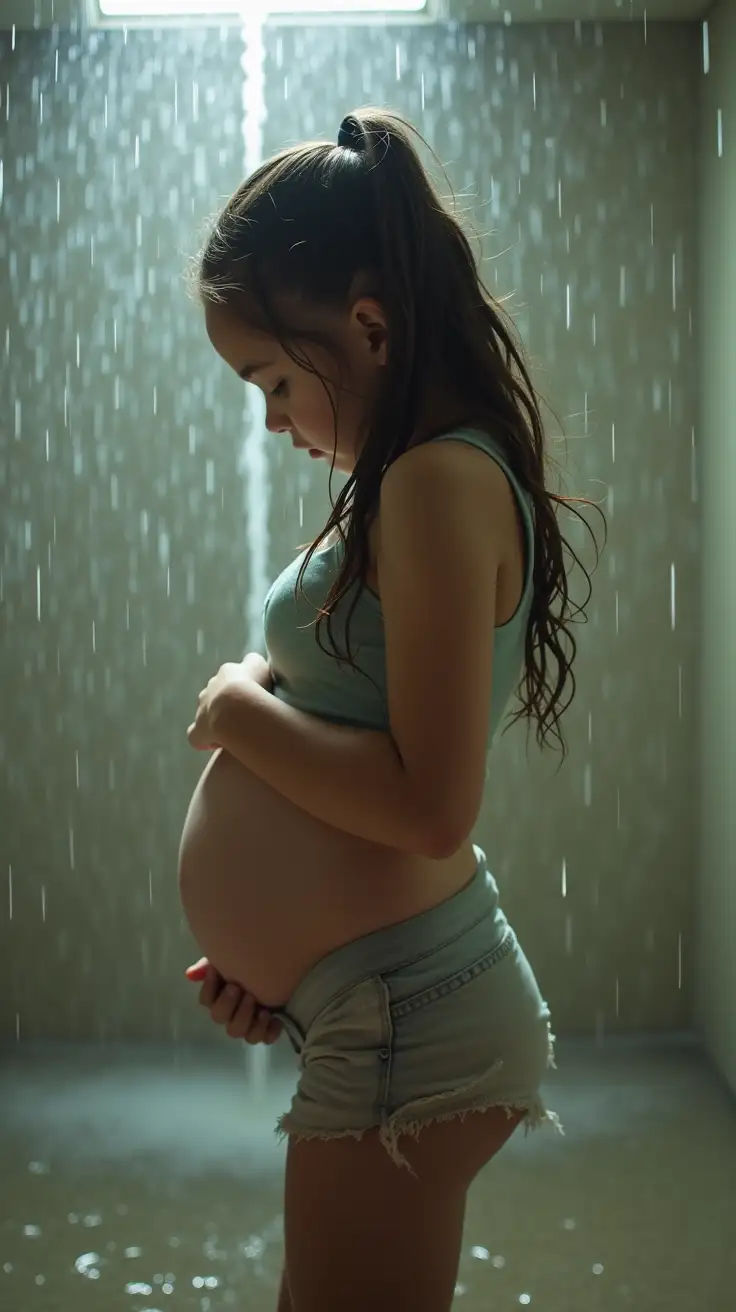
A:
(312, 450)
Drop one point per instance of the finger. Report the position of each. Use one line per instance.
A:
(198, 971)
(273, 1029)
(196, 733)
(259, 1026)
(241, 1020)
(212, 987)
(224, 1007)
(194, 742)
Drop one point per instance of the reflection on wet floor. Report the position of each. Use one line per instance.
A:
(148, 1179)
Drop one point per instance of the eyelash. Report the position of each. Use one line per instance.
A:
(279, 389)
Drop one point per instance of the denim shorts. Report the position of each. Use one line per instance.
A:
(431, 1018)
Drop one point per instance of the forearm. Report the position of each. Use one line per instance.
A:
(351, 778)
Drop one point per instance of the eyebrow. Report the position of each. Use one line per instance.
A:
(250, 369)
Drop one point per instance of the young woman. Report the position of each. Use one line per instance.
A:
(327, 867)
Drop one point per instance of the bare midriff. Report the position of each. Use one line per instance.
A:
(268, 890)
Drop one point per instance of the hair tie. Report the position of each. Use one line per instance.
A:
(350, 136)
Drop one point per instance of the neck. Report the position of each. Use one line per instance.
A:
(440, 411)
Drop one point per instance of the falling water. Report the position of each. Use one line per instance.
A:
(252, 464)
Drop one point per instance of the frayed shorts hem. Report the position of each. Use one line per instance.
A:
(537, 1115)
(405, 1120)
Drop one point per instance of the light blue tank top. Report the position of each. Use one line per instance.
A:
(309, 680)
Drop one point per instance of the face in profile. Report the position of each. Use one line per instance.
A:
(304, 405)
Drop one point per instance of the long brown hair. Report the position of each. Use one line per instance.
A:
(298, 232)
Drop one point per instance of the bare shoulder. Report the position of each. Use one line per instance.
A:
(453, 475)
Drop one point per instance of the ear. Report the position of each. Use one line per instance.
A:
(368, 322)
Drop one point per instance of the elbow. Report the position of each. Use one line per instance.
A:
(443, 837)
(443, 845)
(448, 827)
(442, 824)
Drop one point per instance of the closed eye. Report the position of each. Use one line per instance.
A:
(281, 388)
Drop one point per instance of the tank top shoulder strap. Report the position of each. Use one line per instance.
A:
(484, 442)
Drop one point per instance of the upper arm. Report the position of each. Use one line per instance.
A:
(438, 561)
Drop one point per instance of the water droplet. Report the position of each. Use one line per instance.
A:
(87, 1265)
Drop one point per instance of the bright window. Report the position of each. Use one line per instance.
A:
(201, 9)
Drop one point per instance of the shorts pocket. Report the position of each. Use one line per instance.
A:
(344, 1063)
(488, 1020)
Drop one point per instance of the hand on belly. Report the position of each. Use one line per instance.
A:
(233, 1007)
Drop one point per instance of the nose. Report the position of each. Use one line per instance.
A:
(276, 423)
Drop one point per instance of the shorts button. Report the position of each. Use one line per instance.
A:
(384, 1054)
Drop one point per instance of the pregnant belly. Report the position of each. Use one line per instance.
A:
(268, 889)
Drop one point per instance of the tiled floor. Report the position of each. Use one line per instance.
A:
(150, 1179)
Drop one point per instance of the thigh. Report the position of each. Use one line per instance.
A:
(363, 1233)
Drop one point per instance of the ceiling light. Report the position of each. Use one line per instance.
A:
(201, 9)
